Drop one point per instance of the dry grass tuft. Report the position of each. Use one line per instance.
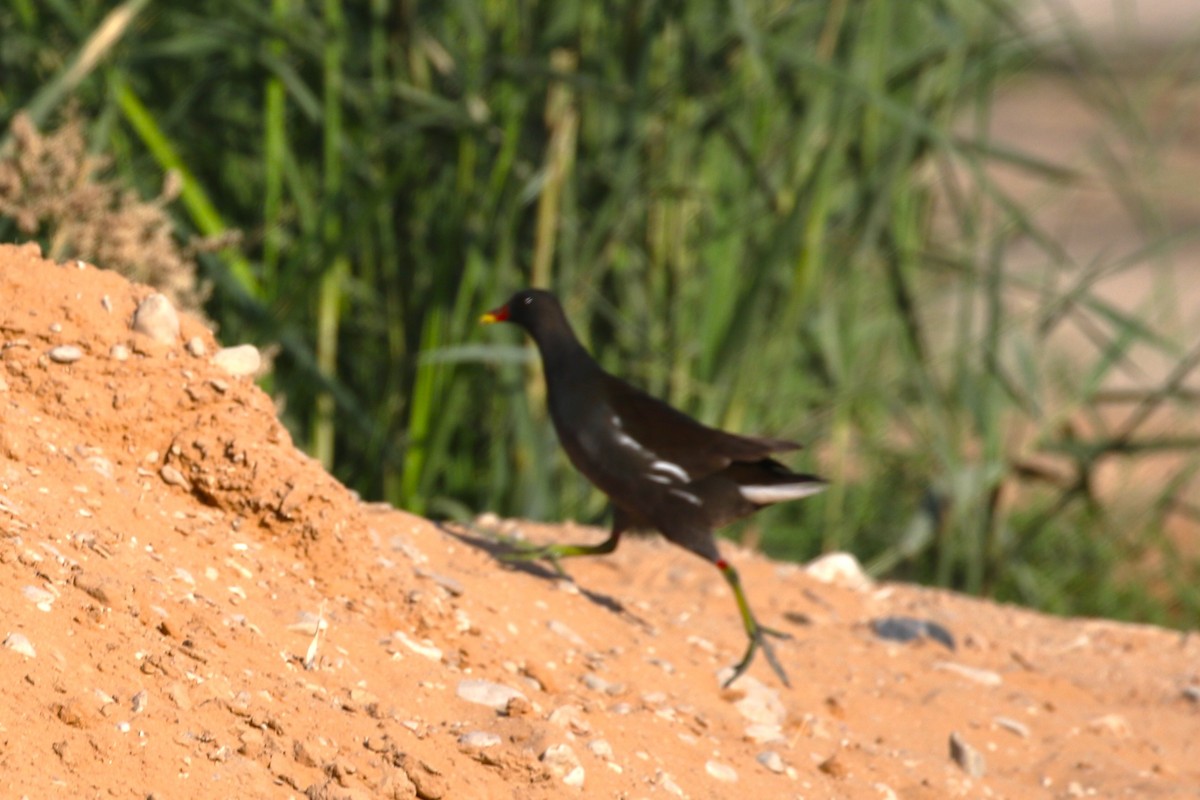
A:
(54, 190)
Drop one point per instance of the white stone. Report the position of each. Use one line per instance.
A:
(486, 693)
(721, 772)
(839, 568)
(156, 318)
(243, 359)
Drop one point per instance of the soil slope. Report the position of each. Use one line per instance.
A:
(167, 555)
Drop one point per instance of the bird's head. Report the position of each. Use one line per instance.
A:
(532, 309)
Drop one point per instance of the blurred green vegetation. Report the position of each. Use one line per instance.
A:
(763, 211)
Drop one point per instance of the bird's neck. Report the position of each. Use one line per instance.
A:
(564, 355)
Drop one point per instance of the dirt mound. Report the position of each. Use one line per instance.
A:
(194, 608)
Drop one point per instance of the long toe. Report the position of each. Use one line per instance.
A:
(769, 652)
(758, 639)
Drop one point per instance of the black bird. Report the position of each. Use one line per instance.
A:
(661, 469)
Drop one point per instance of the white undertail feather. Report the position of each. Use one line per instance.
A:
(780, 492)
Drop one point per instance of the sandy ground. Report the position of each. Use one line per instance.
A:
(167, 556)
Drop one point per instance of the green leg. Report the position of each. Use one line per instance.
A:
(554, 552)
(756, 633)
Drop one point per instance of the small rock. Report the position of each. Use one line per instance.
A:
(760, 704)
(1013, 726)
(601, 749)
(839, 568)
(771, 760)
(118, 352)
(75, 714)
(906, 629)
(562, 761)
(761, 734)
(479, 739)
(834, 767)
(99, 588)
(428, 780)
(65, 354)
(597, 684)
(668, 784)
(195, 347)
(138, 701)
(20, 643)
(967, 757)
(1192, 693)
(40, 597)
(156, 317)
(243, 359)
(1115, 724)
(486, 693)
(572, 717)
(101, 466)
(984, 677)
(721, 772)
(575, 777)
(430, 651)
(173, 477)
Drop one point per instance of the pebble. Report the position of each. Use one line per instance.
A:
(138, 702)
(479, 739)
(984, 677)
(1114, 724)
(486, 693)
(1013, 726)
(771, 760)
(597, 684)
(65, 354)
(761, 704)
(839, 568)
(430, 651)
(118, 352)
(667, 782)
(195, 347)
(1192, 693)
(156, 317)
(722, 772)
(173, 477)
(562, 761)
(906, 629)
(21, 644)
(966, 756)
(572, 717)
(762, 734)
(39, 597)
(242, 359)
(601, 749)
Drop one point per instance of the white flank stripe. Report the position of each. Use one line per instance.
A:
(670, 469)
(659, 478)
(625, 440)
(688, 496)
(763, 495)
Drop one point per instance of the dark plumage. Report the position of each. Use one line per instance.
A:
(660, 468)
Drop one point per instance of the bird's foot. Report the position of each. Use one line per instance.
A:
(758, 639)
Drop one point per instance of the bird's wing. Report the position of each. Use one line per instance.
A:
(679, 441)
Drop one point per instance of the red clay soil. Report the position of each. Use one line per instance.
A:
(167, 555)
